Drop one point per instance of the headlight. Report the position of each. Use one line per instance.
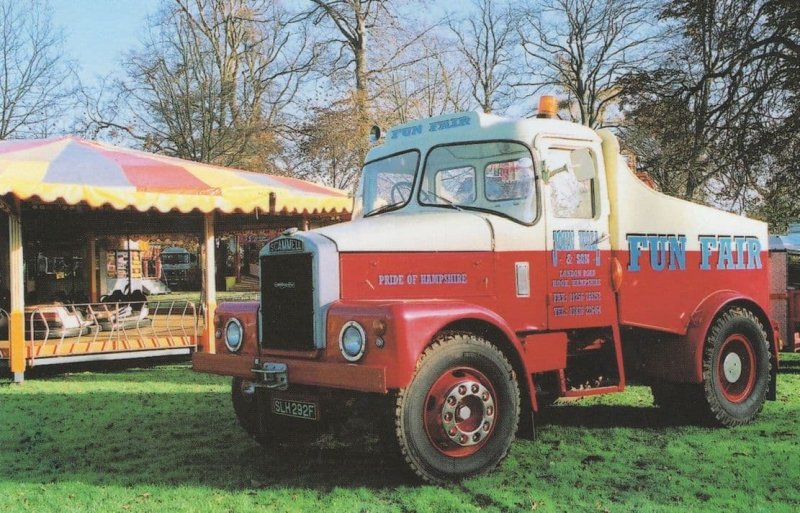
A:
(234, 335)
(352, 341)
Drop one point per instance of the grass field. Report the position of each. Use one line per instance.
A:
(164, 439)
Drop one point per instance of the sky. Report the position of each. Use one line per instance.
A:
(98, 32)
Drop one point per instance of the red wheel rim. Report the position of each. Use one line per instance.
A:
(460, 412)
(736, 368)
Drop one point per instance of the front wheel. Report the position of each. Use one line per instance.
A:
(458, 416)
(244, 397)
(736, 367)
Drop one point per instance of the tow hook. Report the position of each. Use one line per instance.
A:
(274, 376)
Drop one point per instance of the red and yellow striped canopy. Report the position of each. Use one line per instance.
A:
(79, 171)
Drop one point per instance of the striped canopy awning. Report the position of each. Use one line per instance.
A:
(76, 171)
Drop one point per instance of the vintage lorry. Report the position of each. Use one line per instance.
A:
(492, 266)
(179, 268)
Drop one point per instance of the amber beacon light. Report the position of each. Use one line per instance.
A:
(548, 107)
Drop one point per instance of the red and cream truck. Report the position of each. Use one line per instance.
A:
(492, 266)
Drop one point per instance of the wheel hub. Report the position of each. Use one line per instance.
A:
(732, 367)
(736, 368)
(468, 413)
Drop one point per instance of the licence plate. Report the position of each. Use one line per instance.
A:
(292, 408)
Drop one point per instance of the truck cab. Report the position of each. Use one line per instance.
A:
(178, 267)
(492, 266)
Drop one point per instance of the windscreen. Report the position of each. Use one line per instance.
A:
(492, 176)
(174, 258)
(386, 183)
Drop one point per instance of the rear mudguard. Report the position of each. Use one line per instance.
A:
(680, 359)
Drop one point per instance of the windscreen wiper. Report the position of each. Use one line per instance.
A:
(385, 208)
(447, 202)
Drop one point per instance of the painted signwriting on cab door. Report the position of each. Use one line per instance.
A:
(576, 287)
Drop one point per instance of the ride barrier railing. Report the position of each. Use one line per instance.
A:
(63, 329)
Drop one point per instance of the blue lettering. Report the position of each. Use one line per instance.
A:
(634, 251)
(563, 240)
(741, 245)
(706, 244)
(677, 251)
(406, 131)
(448, 123)
(658, 252)
(588, 241)
(412, 130)
(753, 253)
(725, 259)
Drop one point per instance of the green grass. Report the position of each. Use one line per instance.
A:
(164, 439)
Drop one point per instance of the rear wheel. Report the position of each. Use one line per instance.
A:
(736, 367)
(458, 416)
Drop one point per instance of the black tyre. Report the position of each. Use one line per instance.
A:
(736, 367)
(270, 431)
(244, 398)
(458, 416)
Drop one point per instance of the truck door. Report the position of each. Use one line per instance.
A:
(579, 291)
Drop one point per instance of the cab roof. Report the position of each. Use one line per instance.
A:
(472, 126)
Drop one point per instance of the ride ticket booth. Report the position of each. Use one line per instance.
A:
(85, 222)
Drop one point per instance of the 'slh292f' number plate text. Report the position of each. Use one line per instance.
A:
(298, 409)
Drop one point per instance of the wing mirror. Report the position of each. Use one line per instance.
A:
(581, 165)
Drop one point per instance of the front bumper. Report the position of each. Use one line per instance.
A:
(345, 376)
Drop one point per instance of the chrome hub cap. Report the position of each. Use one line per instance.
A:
(468, 413)
(732, 367)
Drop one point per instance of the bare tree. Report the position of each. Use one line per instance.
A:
(434, 85)
(583, 48)
(369, 42)
(212, 81)
(368, 38)
(485, 42)
(327, 144)
(35, 78)
(715, 123)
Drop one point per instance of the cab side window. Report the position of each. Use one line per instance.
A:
(571, 183)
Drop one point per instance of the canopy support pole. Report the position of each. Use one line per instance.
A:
(91, 260)
(16, 282)
(237, 259)
(207, 342)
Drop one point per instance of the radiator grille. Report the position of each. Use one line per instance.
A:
(287, 302)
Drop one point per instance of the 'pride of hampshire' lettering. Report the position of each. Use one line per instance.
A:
(423, 279)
